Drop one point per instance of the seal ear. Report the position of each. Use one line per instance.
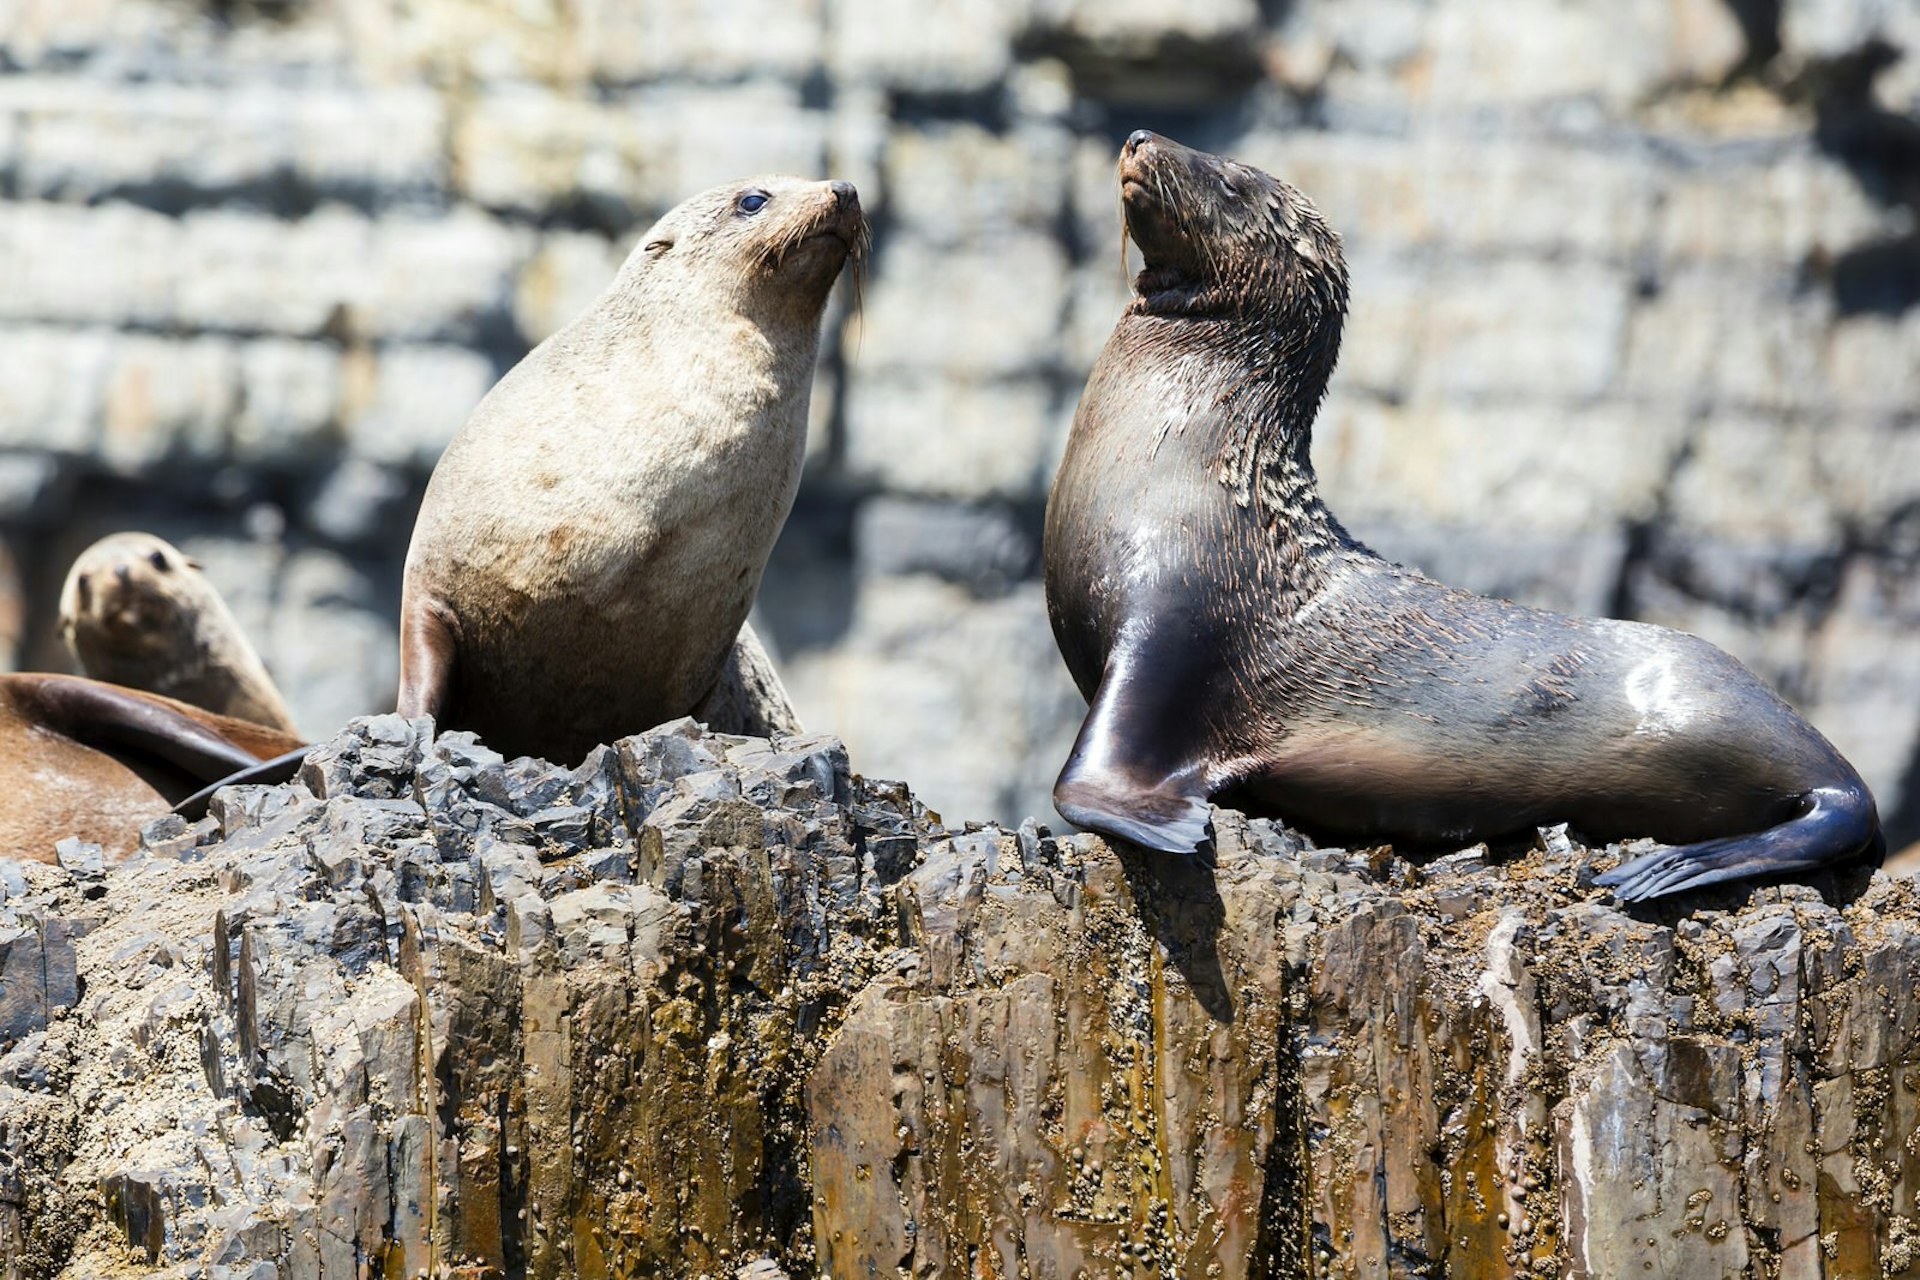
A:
(655, 248)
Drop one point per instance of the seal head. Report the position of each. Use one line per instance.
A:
(593, 538)
(137, 611)
(1222, 238)
(1235, 642)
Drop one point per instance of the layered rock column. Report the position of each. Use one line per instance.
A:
(711, 1006)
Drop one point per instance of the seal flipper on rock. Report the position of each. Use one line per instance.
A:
(429, 644)
(84, 758)
(749, 697)
(1836, 821)
(1138, 770)
(593, 538)
(1294, 673)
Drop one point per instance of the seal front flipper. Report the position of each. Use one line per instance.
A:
(1836, 822)
(428, 645)
(1131, 774)
(120, 722)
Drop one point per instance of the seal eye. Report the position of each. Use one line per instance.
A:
(158, 560)
(754, 202)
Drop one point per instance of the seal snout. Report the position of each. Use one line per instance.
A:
(1135, 154)
(842, 218)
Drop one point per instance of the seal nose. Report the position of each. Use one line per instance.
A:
(1138, 139)
(120, 572)
(844, 195)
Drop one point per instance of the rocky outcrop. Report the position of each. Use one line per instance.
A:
(715, 1006)
(1633, 332)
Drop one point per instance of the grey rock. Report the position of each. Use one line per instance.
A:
(239, 249)
(800, 982)
(83, 860)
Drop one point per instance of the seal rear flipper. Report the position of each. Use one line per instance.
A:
(1838, 822)
(1128, 775)
(281, 768)
(115, 720)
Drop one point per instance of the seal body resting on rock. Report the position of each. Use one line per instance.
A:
(84, 758)
(1235, 643)
(136, 611)
(592, 539)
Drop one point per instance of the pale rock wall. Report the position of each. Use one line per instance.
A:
(1634, 326)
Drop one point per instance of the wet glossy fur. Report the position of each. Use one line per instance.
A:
(1235, 642)
(83, 758)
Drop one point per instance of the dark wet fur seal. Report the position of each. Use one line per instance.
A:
(85, 758)
(593, 538)
(137, 611)
(1236, 644)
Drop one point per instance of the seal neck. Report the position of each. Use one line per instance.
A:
(1255, 412)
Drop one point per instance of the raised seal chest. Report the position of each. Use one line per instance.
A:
(593, 539)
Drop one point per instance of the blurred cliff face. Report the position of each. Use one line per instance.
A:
(1636, 322)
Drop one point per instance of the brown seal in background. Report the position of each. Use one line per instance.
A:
(79, 757)
(136, 611)
(1235, 643)
(593, 538)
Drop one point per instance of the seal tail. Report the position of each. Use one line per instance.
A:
(1120, 781)
(1834, 823)
(279, 769)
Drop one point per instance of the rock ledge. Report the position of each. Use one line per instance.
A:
(715, 1006)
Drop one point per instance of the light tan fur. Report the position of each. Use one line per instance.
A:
(137, 611)
(593, 538)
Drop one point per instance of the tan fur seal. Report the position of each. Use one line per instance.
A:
(83, 758)
(592, 539)
(1235, 642)
(135, 611)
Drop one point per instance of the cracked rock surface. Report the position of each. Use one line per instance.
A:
(711, 1006)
